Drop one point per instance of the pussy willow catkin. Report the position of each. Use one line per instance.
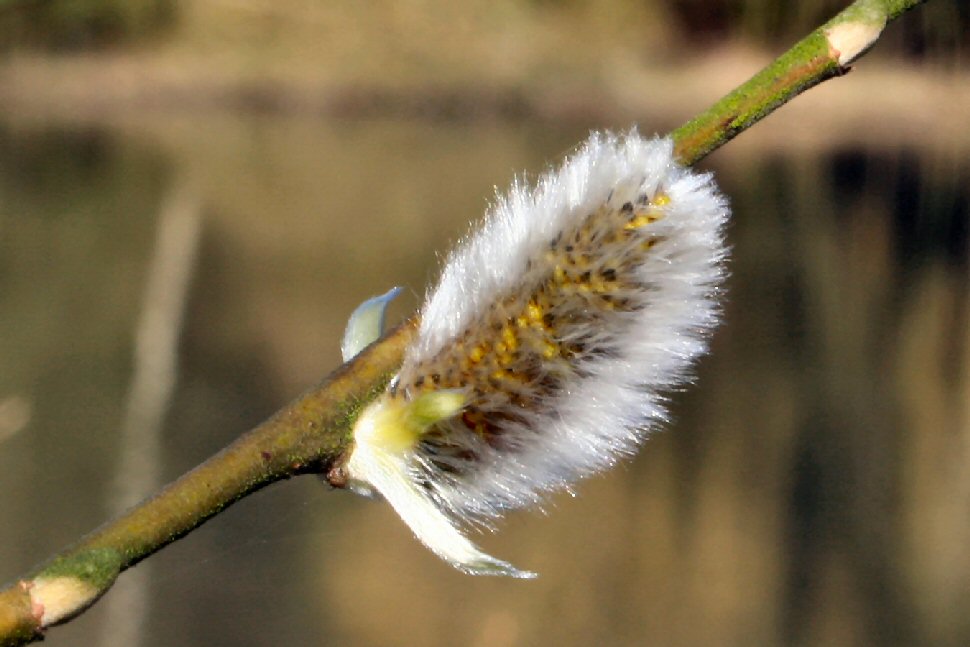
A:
(543, 353)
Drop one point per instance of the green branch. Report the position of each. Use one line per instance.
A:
(306, 436)
(821, 55)
(313, 433)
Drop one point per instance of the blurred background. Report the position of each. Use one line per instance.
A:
(195, 195)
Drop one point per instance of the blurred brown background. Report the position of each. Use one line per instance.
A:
(195, 195)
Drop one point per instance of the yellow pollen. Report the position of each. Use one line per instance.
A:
(660, 200)
(641, 220)
(559, 274)
(509, 339)
(534, 311)
(549, 350)
(477, 354)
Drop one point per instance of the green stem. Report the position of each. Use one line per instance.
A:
(823, 54)
(313, 433)
(308, 435)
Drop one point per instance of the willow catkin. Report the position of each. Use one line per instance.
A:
(543, 353)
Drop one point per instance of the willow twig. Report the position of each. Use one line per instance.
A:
(313, 433)
(825, 53)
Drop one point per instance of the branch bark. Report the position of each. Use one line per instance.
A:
(311, 434)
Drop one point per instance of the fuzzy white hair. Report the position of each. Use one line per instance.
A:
(543, 354)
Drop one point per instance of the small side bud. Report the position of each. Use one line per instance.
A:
(366, 324)
(58, 598)
(855, 31)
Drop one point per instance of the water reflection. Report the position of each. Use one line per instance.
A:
(813, 489)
